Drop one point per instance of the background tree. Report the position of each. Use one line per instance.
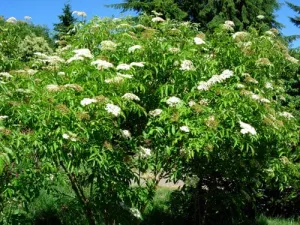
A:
(66, 24)
(296, 19)
(210, 13)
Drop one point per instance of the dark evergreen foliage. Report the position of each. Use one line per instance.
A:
(296, 19)
(209, 13)
(66, 24)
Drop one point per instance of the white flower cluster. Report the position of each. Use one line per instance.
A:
(268, 85)
(130, 96)
(3, 117)
(185, 129)
(133, 48)
(79, 13)
(292, 59)
(229, 25)
(286, 115)
(113, 109)
(241, 35)
(49, 59)
(53, 87)
(11, 20)
(157, 19)
(155, 112)
(84, 52)
(136, 213)
(256, 97)
(5, 74)
(187, 65)
(87, 101)
(144, 152)
(108, 45)
(102, 64)
(70, 136)
(125, 66)
(126, 134)
(80, 54)
(199, 41)
(173, 101)
(247, 128)
(205, 85)
(174, 50)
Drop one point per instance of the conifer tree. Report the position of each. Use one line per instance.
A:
(66, 24)
(210, 13)
(296, 19)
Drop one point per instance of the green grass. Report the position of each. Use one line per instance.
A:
(278, 221)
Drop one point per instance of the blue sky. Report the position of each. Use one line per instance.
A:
(45, 12)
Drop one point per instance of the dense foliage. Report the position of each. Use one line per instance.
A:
(131, 102)
(66, 24)
(13, 33)
(210, 13)
(296, 19)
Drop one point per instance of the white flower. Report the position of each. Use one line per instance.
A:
(260, 17)
(173, 101)
(204, 101)
(133, 48)
(155, 112)
(145, 152)
(123, 67)
(292, 59)
(264, 100)
(174, 50)
(84, 52)
(136, 213)
(66, 136)
(31, 71)
(131, 96)
(113, 109)
(5, 74)
(53, 87)
(229, 23)
(240, 35)
(286, 115)
(268, 85)
(126, 134)
(185, 129)
(79, 13)
(240, 85)
(199, 41)
(226, 74)
(102, 64)
(3, 117)
(108, 45)
(187, 65)
(227, 27)
(27, 18)
(75, 58)
(87, 101)
(11, 20)
(138, 64)
(203, 86)
(157, 19)
(247, 128)
(61, 73)
(192, 103)
(70, 136)
(270, 33)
